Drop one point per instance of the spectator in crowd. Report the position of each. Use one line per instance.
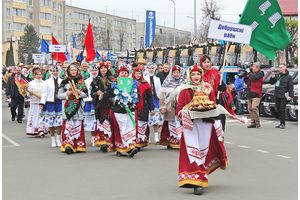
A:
(17, 100)
(160, 68)
(284, 92)
(254, 94)
(239, 86)
(163, 75)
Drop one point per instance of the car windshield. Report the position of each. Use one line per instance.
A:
(295, 80)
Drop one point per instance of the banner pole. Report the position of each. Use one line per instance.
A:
(222, 68)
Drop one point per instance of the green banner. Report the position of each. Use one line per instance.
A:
(268, 26)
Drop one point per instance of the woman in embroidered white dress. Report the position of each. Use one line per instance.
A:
(201, 152)
(34, 127)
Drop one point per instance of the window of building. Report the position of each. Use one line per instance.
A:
(59, 20)
(18, 27)
(45, 16)
(18, 12)
(8, 12)
(30, 16)
(45, 30)
(30, 2)
(22, 1)
(8, 26)
(54, 6)
(59, 7)
(54, 19)
(45, 3)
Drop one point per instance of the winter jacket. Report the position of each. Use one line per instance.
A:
(254, 86)
(239, 84)
(285, 85)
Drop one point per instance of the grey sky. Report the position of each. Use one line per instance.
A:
(164, 10)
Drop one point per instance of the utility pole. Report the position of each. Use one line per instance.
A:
(195, 19)
(173, 1)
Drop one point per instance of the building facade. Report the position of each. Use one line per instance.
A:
(163, 36)
(47, 17)
(110, 32)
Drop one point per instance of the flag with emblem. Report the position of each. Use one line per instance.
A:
(268, 26)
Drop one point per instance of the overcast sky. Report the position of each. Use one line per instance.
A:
(164, 10)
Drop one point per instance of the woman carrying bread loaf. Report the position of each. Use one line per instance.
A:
(200, 150)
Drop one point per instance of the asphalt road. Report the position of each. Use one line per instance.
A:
(262, 166)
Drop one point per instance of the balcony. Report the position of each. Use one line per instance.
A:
(20, 19)
(46, 36)
(18, 34)
(19, 5)
(45, 23)
(45, 9)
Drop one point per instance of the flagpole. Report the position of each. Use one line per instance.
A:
(224, 64)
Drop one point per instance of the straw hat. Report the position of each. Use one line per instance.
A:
(141, 61)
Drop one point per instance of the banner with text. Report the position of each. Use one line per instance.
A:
(39, 58)
(228, 31)
(150, 28)
(57, 48)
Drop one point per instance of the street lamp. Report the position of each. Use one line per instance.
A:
(173, 1)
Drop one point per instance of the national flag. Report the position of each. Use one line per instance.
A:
(58, 56)
(44, 46)
(268, 26)
(68, 56)
(98, 56)
(89, 44)
(74, 41)
(79, 57)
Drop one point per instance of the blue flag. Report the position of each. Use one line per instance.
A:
(108, 56)
(80, 57)
(74, 41)
(150, 28)
(44, 46)
(68, 56)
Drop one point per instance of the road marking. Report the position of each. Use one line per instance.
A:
(226, 142)
(262, 122)
(281, 156)
(8, 146)
(262, 151)
(10, 140)
(244, 146)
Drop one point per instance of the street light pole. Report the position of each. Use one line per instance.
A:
(173, 1)
(195, 21)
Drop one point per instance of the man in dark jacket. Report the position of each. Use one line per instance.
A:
(163, 75)
(254, 94)
(284, 92)
(17, 100)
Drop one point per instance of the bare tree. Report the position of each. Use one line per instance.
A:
(211, 10)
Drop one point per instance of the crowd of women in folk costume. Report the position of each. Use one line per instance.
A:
(68, 105)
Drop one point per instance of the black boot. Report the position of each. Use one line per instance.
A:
(133, 152)
(68, 150)
(198, 190)
(103, 148)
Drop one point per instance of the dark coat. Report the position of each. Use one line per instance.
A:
(285, 85)
(12, 87)
(162, 76)
(103, 106)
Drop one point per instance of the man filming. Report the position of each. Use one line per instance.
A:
(254, 93)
